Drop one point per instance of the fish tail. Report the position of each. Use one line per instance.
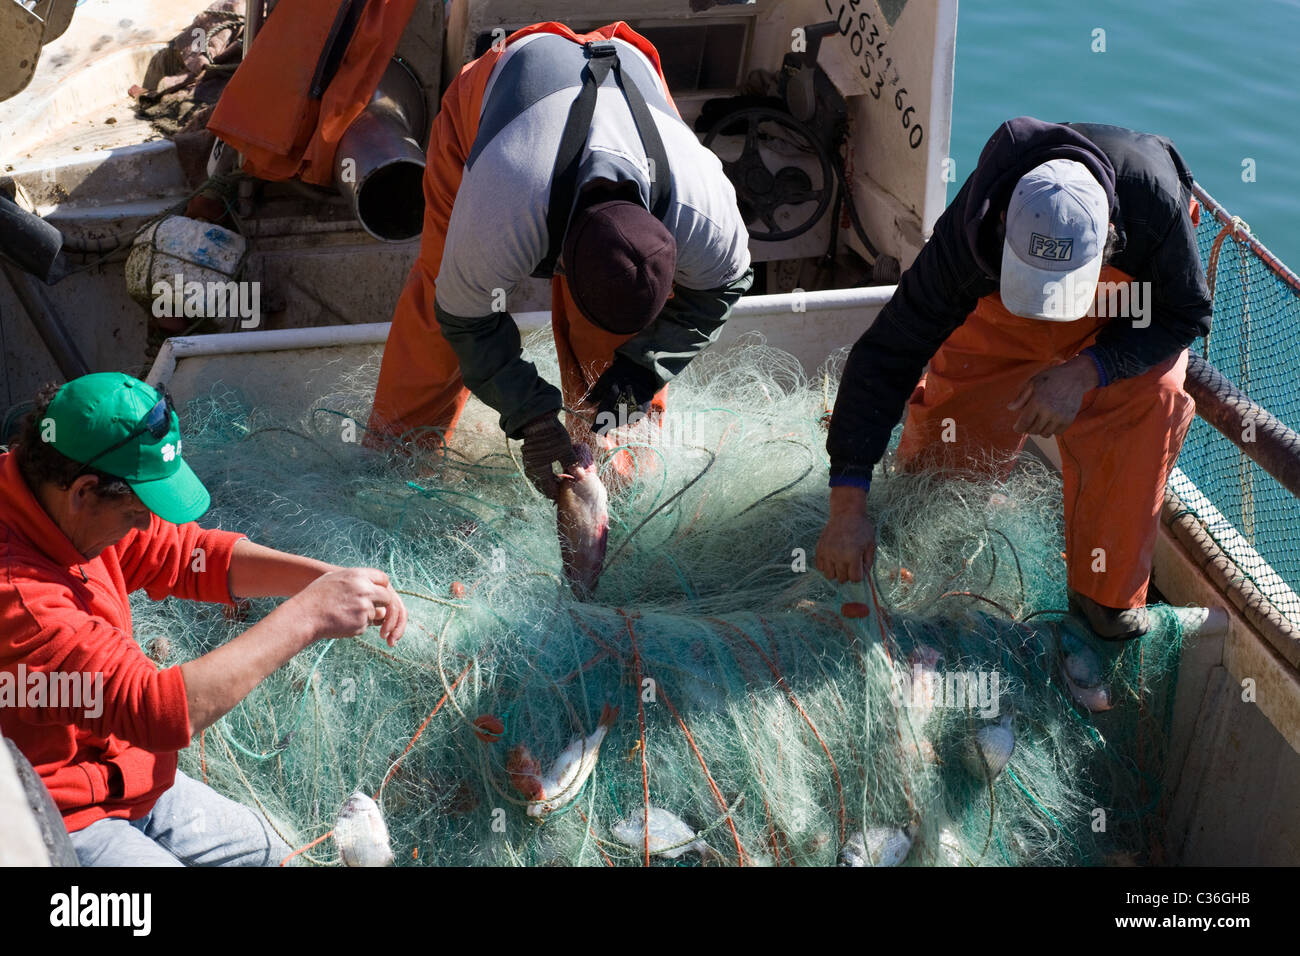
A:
(708, 855)
(608, 715)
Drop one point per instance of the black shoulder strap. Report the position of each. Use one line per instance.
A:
(601, 58)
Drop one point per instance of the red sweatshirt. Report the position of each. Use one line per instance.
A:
(61, 614)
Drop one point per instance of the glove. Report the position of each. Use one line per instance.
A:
(625, 390)
(546, 441)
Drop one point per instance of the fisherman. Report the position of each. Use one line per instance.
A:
(1057, 297)
(96, 502)
(532, 173)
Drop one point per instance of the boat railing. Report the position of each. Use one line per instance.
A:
(1232, 498)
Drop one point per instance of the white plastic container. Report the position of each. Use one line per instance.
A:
(177, 251)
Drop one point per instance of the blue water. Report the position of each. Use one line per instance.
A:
(1219, 79)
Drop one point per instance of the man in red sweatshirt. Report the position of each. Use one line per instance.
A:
(96, 502)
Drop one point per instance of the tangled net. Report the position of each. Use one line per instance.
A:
(749, 706)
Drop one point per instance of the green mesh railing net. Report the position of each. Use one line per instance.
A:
(1256, 328)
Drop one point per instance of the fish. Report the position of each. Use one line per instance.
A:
(670, 837)
(950, 852)
(1093, 699)
(547, 792)
(361, 834)
(582, 523)
(926, 656)
(524, 771)
(1081, 669)
(924, 683)
(159, 649)
(989, 749)
(877, 846)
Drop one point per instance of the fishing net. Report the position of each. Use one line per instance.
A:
(749, 705)
(1256, 309)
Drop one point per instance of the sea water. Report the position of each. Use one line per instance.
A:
(1219, 79)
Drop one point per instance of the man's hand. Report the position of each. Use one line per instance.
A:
(344, 603)
(546, 441)
(847, 546)
(622, 395)
(340, 603)
(1050, 400)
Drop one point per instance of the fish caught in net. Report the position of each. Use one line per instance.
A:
(710, 703)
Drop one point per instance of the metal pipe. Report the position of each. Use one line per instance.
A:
(27, 240)
(253, 17)
(1274, 264)
(379, 164)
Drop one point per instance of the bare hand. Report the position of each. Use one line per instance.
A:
(847, 546)
(347, 601)
(1050, 401)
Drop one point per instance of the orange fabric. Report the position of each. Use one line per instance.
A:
(1116, 455)
(420, 394)
(585, 352)
(267, 112)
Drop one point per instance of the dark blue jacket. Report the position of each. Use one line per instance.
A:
(1149, 189)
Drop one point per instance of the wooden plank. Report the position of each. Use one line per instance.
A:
(1246, 654)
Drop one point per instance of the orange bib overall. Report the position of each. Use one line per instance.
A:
(420, 394)
(1115, 457)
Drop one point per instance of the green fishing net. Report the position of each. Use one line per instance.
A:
(749, 706)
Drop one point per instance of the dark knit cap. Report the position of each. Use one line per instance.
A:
(619, 261)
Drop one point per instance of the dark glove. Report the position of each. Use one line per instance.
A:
(546, 441)
(623, 391)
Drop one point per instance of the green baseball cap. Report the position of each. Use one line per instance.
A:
(123, 427)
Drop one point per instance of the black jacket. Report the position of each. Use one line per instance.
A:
(1149, 188)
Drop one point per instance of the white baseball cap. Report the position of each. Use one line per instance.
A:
(1057, 222)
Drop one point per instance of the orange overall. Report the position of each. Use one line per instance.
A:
(420, 395)
(1115, 456)
(268, 111)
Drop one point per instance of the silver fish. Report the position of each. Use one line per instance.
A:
(989, 749)
(926, 682)
(950, 851)
(1082, 671)
(582, 523)
(361, 834)
(877, 846)
(549, 791)
(670, 837)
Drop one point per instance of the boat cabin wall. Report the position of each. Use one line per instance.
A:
(891, 60)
